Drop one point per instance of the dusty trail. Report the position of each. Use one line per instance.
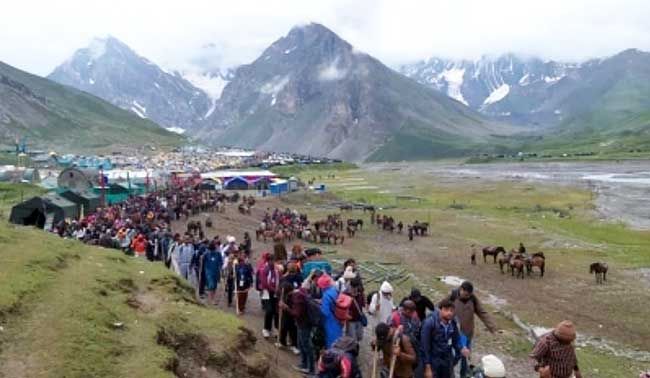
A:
(559, 295)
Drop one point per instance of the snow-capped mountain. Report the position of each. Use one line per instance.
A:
(506, 87)
(109, 69)
(311, 92)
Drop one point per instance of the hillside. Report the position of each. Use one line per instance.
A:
(77, 311)
(54, 115)
(311, 92)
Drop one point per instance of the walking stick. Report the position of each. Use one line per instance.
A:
(393, 358)
(277, 350)
(374, 362)
(234, 276)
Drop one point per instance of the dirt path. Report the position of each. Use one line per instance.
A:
(562, 293)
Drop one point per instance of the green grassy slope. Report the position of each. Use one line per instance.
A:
(71, 310)
(75, 119)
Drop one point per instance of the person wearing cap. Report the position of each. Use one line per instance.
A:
(315, 261)
(467, 306)
(333, 328)
(343, 282)
(229, 247)
(381, 304)
(422, 303)
(554, 354)
(491, 367)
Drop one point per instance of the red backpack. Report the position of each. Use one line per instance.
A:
(342, 308)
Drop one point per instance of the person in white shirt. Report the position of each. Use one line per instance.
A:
(381, 304)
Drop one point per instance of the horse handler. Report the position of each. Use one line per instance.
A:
(555, 355)
(467, 305)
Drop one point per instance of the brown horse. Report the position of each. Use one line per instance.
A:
(352, 230)
(600, 270)
(518, 264)
(492, 251)
(536, 260)
(336, 238)
(505, 261)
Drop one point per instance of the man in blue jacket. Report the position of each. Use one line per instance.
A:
(441, 342)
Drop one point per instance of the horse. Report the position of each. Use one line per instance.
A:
(323, 236)
(536, 260)
(421, 229)
(346, 207)
(600, 270)
(518, 264)
(208, 222)
(492, 251)
(505, 261)
(192, 227)
(352, 229)
(358, 223)
(333, 236)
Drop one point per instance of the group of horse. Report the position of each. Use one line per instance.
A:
(517, 262)
(246, 204)
(290, 227)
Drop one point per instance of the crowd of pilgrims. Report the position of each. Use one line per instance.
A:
(314, 311)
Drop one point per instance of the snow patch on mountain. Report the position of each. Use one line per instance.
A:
(525, 80)
(211, 84)
(454, 78)
(497, 95)
(176, 130)
(141, 108)
(289, 51)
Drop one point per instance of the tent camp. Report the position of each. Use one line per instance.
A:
(78, 178)
(85, 200)
(236, 183)
(45, 210)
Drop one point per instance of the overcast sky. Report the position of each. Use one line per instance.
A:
(38, 35)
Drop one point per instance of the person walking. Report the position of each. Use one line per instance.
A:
(441, 342)
(211, 264)
(422, 303)
(333, 328)
(243, 281)
(381, 305)
(269, 283)
(554, 354)
(185, 255)
(315, 261)
(398, 353)
(287, 321)
(296, 307)
(467, 305)
(358, 320)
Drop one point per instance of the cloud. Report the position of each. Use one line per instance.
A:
(37, 35)
(332, 72)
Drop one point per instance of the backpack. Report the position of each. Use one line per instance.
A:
(342, 307)
(314, 313)
(344, 346)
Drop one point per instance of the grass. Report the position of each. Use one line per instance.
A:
(60, 302)
(77, 121)
(556, 219)
(316, 169)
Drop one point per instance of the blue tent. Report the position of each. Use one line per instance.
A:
(236, 183)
